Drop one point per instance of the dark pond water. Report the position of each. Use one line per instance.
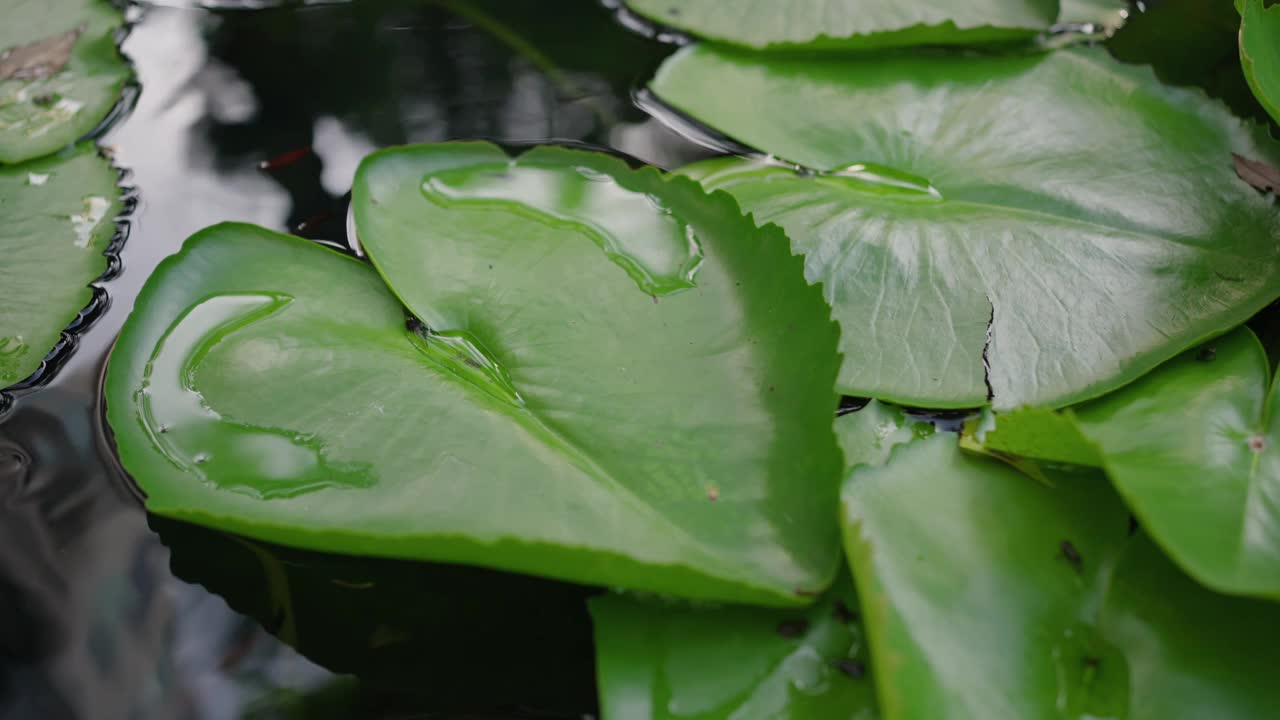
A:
(262, 116)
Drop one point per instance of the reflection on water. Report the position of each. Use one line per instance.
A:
(261, 116)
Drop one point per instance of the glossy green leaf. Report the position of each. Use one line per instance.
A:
(956, 223)
(1192, 448)
(659, 661)
(59, 216)
(841, 24)
(60, 73)
(667, 660)
(558, 419)
(1260, 52)
(988, 595)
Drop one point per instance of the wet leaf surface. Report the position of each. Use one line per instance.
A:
(59, 216)
(987, 594)
(1260, 52)
(60, 74)
(660, 660)
(977, 249)
(846, 24)
(543, 413)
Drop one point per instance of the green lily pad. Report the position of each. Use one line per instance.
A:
(660, 661)
(624, 383)
(59, 216)
(1192, 449)
(60, 73)
(841, 24)
(1260, 52)
(957, 225)
(988, 595)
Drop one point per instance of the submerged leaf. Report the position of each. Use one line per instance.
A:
(988, 595)
(1260, 52)
(659, 661)
(978, 248)
(60, 73)
(59, 216)
(840, 24)
(620, 381)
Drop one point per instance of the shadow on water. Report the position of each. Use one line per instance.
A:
(262, 116)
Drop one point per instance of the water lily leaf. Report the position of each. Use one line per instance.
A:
(660, 661)
(1192, 449)
(840, 24)
(977, 248)
(59, 216)
(1260, 52)
(1106, 15)
(556, 419)
(60, 73)
(987, 594)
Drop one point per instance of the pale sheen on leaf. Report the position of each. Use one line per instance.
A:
(1008, 230)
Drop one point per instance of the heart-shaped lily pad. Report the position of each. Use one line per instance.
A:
(849, 24)
(620, 381)
(1030, 230)
(60, 73)
(659, 661)
(59, 216)
(1193, 448)
(989, 595)
(1260, 52)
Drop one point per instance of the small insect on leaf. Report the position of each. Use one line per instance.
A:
(843, 613)
(792, 629)
(852, 668)
(1072, 555)
(1258, 174)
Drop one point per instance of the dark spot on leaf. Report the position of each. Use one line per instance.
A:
(1258, 174)
(674, 12)
(852, 668)
(843, 614)
(1091, 662)
(1072, 555)
(1207, 354)
(655, 299)
(471, 362)
(802, 592)
(1133, 524)
(490, 267)
(1256, 443)
(45, 100)
(792, 629)
(1228, 278)
(770, 388)
(40, 59)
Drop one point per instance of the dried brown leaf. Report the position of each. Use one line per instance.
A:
(39, 59)
(1256, 173)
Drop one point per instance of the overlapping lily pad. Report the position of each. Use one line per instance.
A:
(1031, 230)
(620, 381)
(1260, 52)
(659, 660)
(987, 594)
(1194, 450)
(843, 24)
(59, 216)
(60, 73)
